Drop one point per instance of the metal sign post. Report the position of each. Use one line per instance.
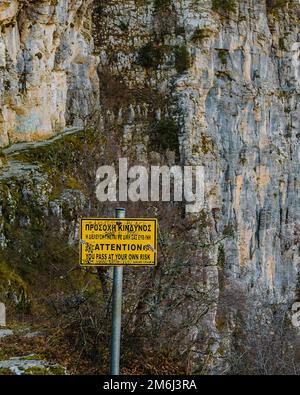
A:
(118, 242)
(116, 312)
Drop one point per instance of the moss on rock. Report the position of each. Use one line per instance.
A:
(227, 6)
(13, 288)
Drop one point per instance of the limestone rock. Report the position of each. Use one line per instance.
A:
(2, 314)
(5, 333)
(47, 69)
(30, 365)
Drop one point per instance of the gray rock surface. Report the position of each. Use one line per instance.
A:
(30, 366)
(5, 333)
(2, 314)
(238, 109)
(47, 70)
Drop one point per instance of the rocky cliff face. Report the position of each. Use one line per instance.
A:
(212, 83)
(228, 72)
(47, 68)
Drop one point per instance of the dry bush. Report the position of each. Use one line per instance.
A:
(160, 304)
(264, 343)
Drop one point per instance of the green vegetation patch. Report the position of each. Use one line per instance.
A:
(274, 7)
(62, 154)
(12, 287)
(3, 159)
(223, 54)
(228, 231)
(33, 357)
(35, 249)
(151, 55)
(116, 94)
(207, 145)
(201, 34)
(275, 4)
(6, 372)
(54, 370)
(227, 6)
(182, 59)
(162, 4)
(165, 135)
(65, 160)
(281, 44)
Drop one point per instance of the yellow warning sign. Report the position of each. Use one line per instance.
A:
(114, 241)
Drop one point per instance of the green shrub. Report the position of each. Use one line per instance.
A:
(150, 56)
(165, 135)
(222, 54)
(13, 288)
(180, 31)
(182, 59)
(228, 231)
(201, 34)
(275, 4)
(224, 5)
(221, 256)
(161, 4)
(281, 44)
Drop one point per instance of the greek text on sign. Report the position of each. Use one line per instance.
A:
(115, 241)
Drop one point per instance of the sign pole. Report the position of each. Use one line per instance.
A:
(116, 312)
(136, 241)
